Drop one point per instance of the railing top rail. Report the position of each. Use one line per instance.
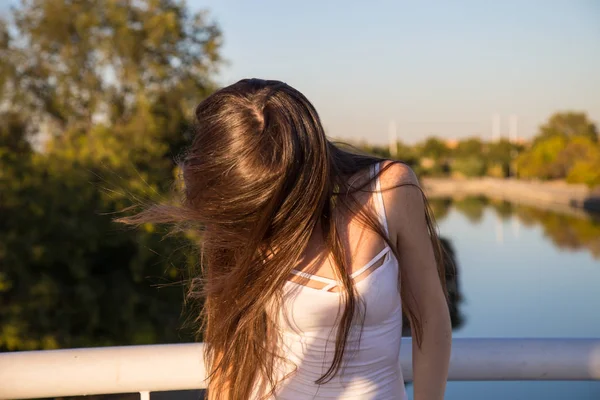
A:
(71, 372)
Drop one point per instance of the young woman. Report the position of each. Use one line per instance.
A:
(310, 253)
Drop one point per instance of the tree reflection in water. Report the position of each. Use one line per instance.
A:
(567, 232)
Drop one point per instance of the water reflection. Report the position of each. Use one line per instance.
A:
(455, 296)
(525, 273)
(567, 232)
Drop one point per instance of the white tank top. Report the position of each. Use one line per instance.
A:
(308, 320)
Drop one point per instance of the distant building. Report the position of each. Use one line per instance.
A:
(451, 143)
(519, 140)
(427, 162)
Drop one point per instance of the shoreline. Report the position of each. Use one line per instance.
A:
(556, 196)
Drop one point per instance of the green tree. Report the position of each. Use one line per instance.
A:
(78, 62)
(434, 148)
(470, 166)
(568, 125)
(566, 148)
(471, 147)
(500, 151)
(468, 158)
(433, 156)
(581, 161)
(540, 161)
(105, 89)
(500, 156)
(405, 153)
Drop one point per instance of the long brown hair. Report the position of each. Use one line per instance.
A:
(259, 177)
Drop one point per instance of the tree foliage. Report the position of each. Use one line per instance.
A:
(468, 148)
(568, 125)
(470, 166)
(566, 148)
(96, 98)
(583, 159)
(541, 161)
(434, 148)
(79, 59)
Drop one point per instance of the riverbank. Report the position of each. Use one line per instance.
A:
(558, 196)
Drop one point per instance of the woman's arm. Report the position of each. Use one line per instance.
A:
(406, 215)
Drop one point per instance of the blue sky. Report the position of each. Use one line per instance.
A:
(434, 67)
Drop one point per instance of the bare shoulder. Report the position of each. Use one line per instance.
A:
(403, 199)
(396, 173)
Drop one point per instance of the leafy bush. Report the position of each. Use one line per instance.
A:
(472, 166)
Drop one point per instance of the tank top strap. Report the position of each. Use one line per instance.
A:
(379, 198)
(330, 283)
(313, 277)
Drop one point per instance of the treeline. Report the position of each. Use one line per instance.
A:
(566, 147)
(95, 100)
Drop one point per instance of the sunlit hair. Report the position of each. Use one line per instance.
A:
(259, 177)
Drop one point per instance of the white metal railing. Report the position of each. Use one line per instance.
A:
(104, 370)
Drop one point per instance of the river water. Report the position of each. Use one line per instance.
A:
(523, 273)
